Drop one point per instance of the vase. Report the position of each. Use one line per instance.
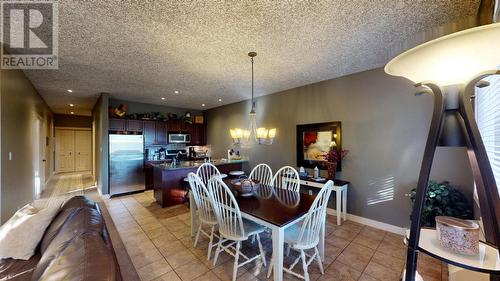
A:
(332, 169)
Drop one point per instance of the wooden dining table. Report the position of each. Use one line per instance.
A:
(276, 209)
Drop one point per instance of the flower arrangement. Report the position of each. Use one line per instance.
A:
(335, 156)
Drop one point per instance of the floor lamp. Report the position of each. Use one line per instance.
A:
(449, 68)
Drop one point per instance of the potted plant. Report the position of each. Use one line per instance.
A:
(332, 158)
(443, 200)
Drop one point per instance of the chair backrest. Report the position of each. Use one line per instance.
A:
(262, 173)
(315, 218)
(201, 198)
(287, 178)
(226, 210)
(206, 171)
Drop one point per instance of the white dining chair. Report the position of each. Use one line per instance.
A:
(232, 227)
(305, 235)
(287, 178)
(206, 171)
(205, 211)
(262, 173)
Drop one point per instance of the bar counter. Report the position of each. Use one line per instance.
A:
(169, 185)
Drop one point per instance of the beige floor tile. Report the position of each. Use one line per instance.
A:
(381, 272)
(164, 239)
(154, 270)
(171, 248)
(337, 241)
(225, 271)
(397, 251)
(171, 276)
(191, 270)
(371, 242)
(340, 271)
(356, 256)
(181, 258)
(209, 276)
(366, 277)
(388, 261)
(145, 258)
(345, 234)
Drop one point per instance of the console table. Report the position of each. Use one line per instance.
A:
(340, 188)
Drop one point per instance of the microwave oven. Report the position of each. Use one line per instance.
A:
(179, 138)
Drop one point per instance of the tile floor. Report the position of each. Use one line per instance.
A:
(159, 244)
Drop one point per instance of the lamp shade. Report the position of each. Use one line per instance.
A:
(451, 59)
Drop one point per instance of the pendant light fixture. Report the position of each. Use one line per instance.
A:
(260, 134)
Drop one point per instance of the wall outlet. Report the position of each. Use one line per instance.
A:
(310, 192)
(10, 156)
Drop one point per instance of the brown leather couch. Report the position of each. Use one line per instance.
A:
(75, 246)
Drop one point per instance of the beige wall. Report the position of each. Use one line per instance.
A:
(19, 102)
(383, 125)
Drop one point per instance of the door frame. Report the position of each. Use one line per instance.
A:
(72, 129)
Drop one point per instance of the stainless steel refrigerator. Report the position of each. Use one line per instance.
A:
(126, 164)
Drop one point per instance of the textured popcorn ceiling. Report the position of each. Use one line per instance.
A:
(143, 50)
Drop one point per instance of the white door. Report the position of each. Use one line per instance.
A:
(83, 151)
(65, 151)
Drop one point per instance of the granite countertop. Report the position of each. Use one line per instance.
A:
(194, 164)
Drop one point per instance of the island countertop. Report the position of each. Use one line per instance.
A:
(196, 164)
(168, 181)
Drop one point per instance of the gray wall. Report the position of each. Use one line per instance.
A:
(383, 125)
(100, 126)
(19, 103)
(138, 107)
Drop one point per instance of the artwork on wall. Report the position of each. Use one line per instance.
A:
(314, 141)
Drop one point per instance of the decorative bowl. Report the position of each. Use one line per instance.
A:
(459, 236)
(244, 186)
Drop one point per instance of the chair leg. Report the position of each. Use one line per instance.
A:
(197, 235)
(318, 259)
(271, 265)
(262, 254)
(218, 250)
(304, 265)
(288, 250)
(211, 241)
(236, 257)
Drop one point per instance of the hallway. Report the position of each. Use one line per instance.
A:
(62, 186)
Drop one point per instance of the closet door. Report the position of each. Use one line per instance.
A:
(65, 151)
(83, 148)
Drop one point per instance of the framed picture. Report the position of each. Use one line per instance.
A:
(314, 141)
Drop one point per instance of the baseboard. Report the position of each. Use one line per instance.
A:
(373, 223)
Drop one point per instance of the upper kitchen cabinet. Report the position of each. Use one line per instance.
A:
(178, 126)
(198, 134)
(155, 132)
(134, 125)
(116, 124)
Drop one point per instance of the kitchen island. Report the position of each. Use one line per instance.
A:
(168, 180)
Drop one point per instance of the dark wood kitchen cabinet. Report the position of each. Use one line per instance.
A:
(134, 125)
(116, 124)
(148, 172)
(155, 132)
(198, 134)
(178, 126)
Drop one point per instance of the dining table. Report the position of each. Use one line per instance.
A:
(274, 208)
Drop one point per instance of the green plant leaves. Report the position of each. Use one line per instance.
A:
(443, 200)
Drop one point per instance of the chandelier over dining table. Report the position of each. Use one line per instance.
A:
(261, 135)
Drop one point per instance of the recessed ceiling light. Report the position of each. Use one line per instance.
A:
(176, 92)
(162, 98)
(71, 105)
(70, 91)
(72, 112)
(220, 99)
(202, 104)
